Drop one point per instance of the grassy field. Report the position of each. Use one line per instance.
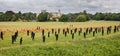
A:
(29, 25)
(107, 45)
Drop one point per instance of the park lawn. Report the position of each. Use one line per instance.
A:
(107, 45)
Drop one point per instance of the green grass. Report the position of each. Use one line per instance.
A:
(107, 45)
(97, 47)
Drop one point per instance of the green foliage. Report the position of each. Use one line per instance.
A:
(81, 18)
(28, 16)
(43, 16)
(9, 15)
(64, 18)
(97, 16)
(107, 16)
(1, 16)
(71, 17)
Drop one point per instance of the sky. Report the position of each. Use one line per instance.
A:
(66, 6)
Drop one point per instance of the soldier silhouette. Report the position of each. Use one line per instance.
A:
(102, 31)
(84, 35)
(49, 34)
(93, 33)
(56, 37)
(65, 33)
(13, 39)
(72, 35)
(43, 38)
(27, 32)
(58, 30)
(43, 32)
(1, 35)
(21, 41)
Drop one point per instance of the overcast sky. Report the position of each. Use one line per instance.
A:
(66, 6)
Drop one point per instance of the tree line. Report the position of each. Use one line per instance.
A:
(84, 16)
(71, 17)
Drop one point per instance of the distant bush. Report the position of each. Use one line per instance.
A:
(81, 18)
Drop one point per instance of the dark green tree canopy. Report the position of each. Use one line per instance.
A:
(43, 16)
(64, 18)
(71, 17)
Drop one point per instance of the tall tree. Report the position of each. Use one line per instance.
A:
(43, 16)
(9, 15)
